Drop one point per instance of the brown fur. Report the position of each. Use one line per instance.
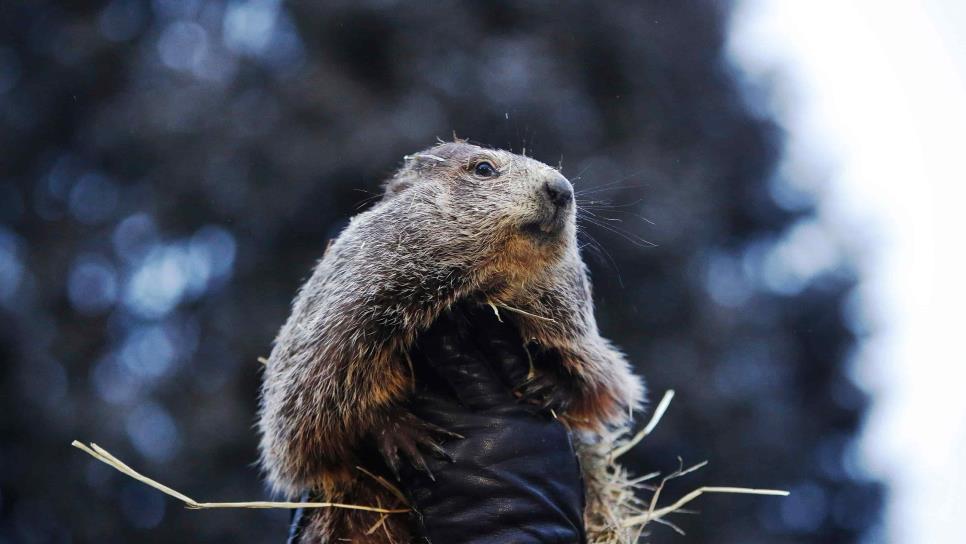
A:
(441, 234)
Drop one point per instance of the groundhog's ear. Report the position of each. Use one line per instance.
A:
(412, 169)
(404, 178)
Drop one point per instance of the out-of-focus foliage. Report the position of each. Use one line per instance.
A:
(171, 169)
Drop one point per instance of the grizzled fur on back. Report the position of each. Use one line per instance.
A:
(338, 369)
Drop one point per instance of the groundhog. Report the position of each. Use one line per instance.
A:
(457, 223)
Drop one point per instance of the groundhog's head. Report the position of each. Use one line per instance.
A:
(515, 209)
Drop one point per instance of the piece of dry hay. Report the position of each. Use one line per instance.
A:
(104, 456)
(616, 512)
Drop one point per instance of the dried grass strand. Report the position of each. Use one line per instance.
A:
(105, 457)
(673, 508)
(651, 425)
(522, 312)
(621, 514)
(385, 483)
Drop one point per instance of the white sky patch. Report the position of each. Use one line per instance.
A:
(873, 95)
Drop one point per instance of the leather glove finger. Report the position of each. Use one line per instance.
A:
(500, 344)
(467, 373)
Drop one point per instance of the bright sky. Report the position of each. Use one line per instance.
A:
(874, 96)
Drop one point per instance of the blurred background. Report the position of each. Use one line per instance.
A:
(170, 171)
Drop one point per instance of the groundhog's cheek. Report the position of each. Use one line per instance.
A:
(519, 209)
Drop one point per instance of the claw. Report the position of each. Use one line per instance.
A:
(391, 454)
(547, 391)
(557, 401)
(415, 457)
(538, 388)
(534, 387)
(437, 449)
(432, 427)
(420, 462)
(408, 434)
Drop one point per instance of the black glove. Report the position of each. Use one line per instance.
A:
(514, 477)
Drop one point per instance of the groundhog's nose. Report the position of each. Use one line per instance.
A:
(559, 191)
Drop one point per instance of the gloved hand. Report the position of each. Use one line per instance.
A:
(514, 477)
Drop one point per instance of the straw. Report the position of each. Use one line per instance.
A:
(104, 456)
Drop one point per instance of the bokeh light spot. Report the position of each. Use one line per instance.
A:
(183, 45)
(114, 382)
(93, 198)
(134, 237)
(148, 352)
(158, 285)
(92, 285)
(11, 265)
(153, 432)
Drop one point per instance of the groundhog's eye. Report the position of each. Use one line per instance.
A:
(484, 169)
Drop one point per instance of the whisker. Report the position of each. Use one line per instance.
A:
(366, 200)
(602, 252)
(601, 189)
(591, 210)
(590, 213)
(629, 236)
(607, 204)
(617, 181)
(627, 177)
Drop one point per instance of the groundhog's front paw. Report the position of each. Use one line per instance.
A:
(405, 435)
(550, 390)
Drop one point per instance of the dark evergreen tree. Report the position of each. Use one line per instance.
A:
(171, 170)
